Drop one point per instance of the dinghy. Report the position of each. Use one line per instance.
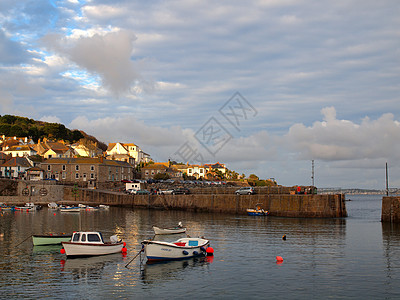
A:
(50, 239)
(174, 230)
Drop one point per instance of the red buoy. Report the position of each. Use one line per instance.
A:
(210, 251)
(124, 244)
(62, 251)
(279, 259)
(124, 250)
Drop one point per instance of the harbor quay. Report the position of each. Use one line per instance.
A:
(278, 201)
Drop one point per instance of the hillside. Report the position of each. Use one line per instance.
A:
(24, 127)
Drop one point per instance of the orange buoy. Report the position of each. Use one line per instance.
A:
(210, 251)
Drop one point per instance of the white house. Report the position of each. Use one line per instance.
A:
(20, 151)
(196, 171)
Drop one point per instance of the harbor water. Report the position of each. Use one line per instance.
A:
(357, 257)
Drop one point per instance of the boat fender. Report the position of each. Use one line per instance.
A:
(195, 253)
(185, 252)
(203, 249)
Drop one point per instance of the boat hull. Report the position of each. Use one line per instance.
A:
(159, 231)
(159, 251)
(256, 212)
(70, 209)
(40, 240)
(73, 249)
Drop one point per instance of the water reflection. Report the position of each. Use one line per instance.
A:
(89, 267)
(160, 272)
(391, 247)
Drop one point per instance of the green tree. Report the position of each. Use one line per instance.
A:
(161, 176)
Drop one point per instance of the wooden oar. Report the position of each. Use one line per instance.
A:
(24, 240)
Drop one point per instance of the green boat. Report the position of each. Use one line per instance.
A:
(49, 239)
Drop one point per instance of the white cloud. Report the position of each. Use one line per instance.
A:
(334, 139)
(50, 119)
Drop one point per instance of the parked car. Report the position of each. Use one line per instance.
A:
(245, 191)
(142, 192)
(131, 191)
(181, 191)
(165, 192)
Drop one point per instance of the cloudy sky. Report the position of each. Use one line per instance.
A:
(265, 86)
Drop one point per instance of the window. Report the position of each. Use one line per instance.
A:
(64, 175)
(92, 168)
(91, 175)
(76, 237)
(64, 167)
(48, 167)
(146, 172)
(93, 237)
(77, 168)
(201, 170)
(83, 239)
(76, 175)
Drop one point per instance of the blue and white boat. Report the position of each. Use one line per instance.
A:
(180, 249)
(257, 211)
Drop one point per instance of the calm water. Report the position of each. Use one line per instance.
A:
(356, 257)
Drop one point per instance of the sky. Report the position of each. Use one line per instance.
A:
(264, 86)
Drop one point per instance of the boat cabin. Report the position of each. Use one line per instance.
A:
(87, 237)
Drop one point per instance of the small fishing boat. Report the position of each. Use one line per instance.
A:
(50, 239)
(180, 249)
(70, 209)
(257, 211)
(29, 206)
(102, 206)
(52, 205)
(85, 243)
(174, 230)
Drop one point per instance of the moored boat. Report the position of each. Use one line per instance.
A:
(91, 244)
(50, 239)
(52, 205)
(257, 211)
(180, 249)
(29, 206)
(70, 209)
(174, 230)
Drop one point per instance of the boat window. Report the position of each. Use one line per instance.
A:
(101, 237)
(93, 237)
(76, 237)
(83, 238)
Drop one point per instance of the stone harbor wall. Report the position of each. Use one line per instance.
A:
(390, 209)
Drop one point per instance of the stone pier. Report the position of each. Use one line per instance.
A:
(390, 209)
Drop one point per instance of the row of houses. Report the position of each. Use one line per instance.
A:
(176, 171)
(83, 162)
(25, 147)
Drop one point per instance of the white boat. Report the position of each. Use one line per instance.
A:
(70, 209)
(50, 239)
(174, 230)
(29, 206)
(52, 205)
(84, 243)
(102, 206)
(180, 249)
